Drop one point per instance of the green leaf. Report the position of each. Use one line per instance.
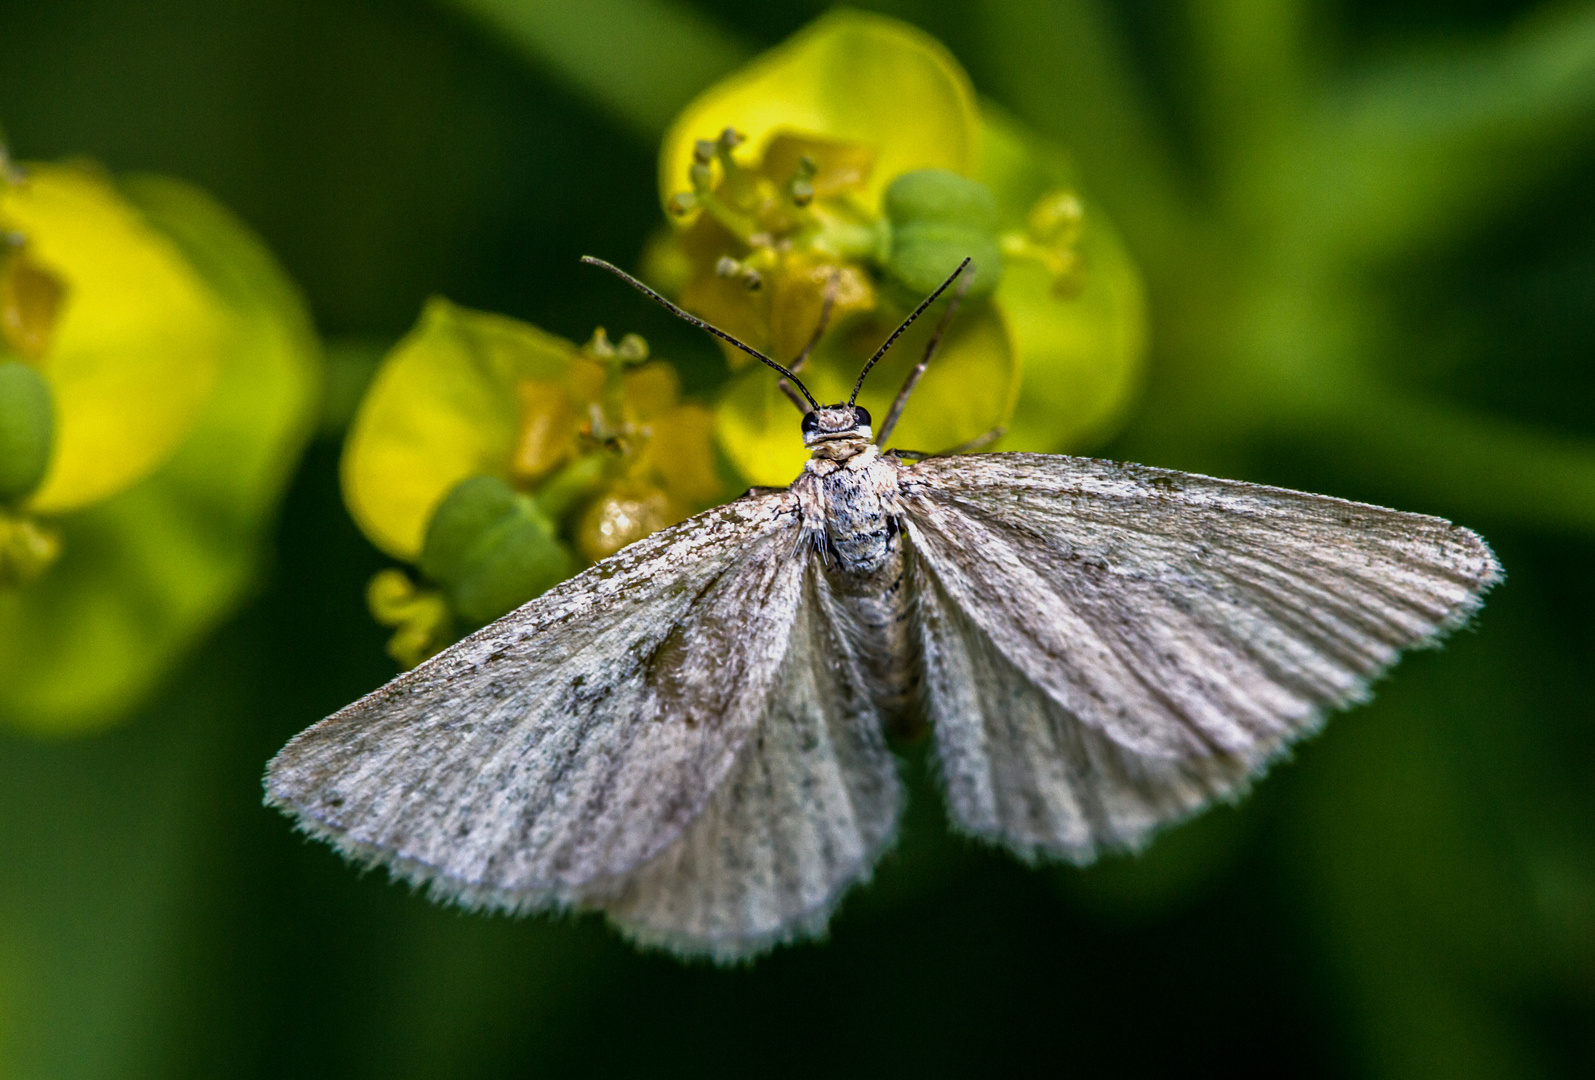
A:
(147, 572)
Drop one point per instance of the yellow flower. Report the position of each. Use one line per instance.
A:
(174, 372)
(855, 158)
(496, 458)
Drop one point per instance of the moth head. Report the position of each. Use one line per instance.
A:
(830, 422)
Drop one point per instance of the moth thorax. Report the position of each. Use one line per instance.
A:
(835, 423)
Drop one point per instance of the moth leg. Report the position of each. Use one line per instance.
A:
(826, 303)
(977, 443)
(918, 372)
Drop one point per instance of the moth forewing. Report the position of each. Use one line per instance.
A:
(572, 741)
(1018, 770)
(1163, 636)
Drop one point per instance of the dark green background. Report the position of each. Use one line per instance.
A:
(1413, 896)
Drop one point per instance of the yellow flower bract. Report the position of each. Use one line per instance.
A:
(848, 76)
(1054, 355)
(1081, 351)
(137, 348)
(444, 406)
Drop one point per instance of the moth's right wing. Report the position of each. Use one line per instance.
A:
(573, 740)
(1110, 646)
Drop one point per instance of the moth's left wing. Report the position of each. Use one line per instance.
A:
(574, 740)
(1109, 646)
(808, 809)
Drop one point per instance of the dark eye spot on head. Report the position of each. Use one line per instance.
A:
(861, 416)
(811, 422)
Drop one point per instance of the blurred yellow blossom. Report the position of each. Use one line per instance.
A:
(159, 374)
(124, 330)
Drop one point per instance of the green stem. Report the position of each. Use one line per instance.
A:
(640, 60)
(573, 484)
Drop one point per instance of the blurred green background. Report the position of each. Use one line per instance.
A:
(1369, 243)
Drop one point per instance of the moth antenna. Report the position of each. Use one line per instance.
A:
(912, 315)
(700, 324)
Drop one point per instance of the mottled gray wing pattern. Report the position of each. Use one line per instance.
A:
(573, 740)
(1020, 769)
(1109, 646)
(810, 806)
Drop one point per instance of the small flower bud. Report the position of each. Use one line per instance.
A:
(938, 218)
(632, 348)
(702, 177)
(420, 617)
(1055, 213)
(27, 550)
(682, 202)
(491, 550)
(620, 517)
(731, 138)
(598, 346)
(27, 428)
(389, 594)
(703, 151)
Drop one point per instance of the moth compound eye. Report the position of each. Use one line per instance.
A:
(811, 422)
(861, 416)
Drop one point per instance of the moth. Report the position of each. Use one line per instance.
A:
(691, 735)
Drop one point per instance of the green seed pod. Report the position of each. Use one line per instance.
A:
(27, 425)
(491, 550)
(937, 219)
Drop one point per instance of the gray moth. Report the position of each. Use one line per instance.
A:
(691, 735)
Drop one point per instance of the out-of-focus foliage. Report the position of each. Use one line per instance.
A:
(861, 155)
(1363, 233)
(498, 458)
(181, 368)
